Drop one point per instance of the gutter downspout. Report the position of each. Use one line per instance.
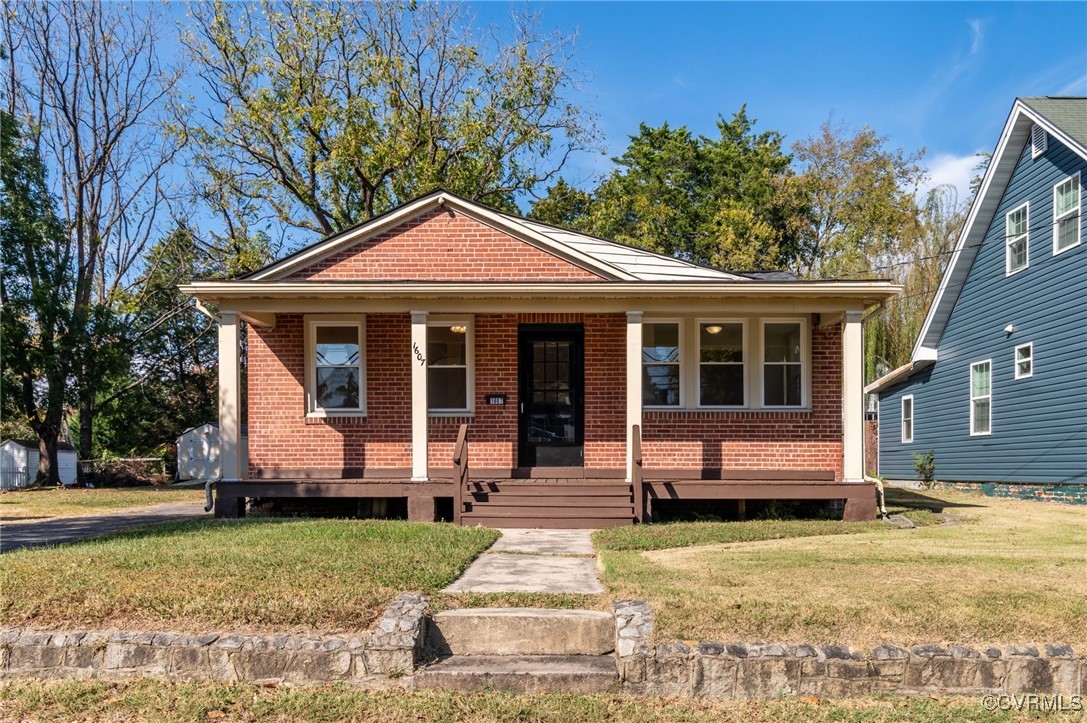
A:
(881, 497)
(209, 501)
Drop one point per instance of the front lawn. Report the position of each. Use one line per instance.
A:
(271, 574)
(1012, 572)
(48, 502)
(149, 700)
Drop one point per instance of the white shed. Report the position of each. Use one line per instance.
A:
(19, 463)
(198, 452)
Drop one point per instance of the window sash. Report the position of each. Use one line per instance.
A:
(668, 361)
(981, 395)
(791, 382)
(325, 369)
(1017, 239)
(1024, 361)
(441, 371)
(1066, 212)
(709, 368)
(907, 419)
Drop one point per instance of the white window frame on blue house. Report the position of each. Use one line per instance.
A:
(1009, 240)
(1028, 359)
(988, 398)
(907, 419)
(1071, 214)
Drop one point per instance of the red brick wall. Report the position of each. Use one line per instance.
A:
(758, 440)
(444, 246)
(280, 436)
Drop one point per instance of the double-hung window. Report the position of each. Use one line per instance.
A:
(449, 367)
(1024, 361)
(907, 419)
(336, 361)
(782, 364)
(981, 398)
(721, 378)
(661, 365)
(1066, 214)
(1017, 240)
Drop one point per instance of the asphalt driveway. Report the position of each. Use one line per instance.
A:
(73, 529)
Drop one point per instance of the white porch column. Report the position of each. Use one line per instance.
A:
(230, 398)
(418, 397)
(853, 397)
(634, 382)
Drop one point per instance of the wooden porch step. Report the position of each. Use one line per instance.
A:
(546, 502)
(550, 523)
(534, 511)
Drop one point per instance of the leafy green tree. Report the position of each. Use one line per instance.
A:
(324, 114)
(563, 205)
(727, 201)
(861, 200)
(36, 284)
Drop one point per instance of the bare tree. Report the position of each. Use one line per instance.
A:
(88, 78)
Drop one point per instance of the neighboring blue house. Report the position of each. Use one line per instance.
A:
(997, 386)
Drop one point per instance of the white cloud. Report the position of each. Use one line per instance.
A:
(951, 170)
(977, 34)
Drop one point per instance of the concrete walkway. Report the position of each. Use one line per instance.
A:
(554, 561)
(73, 529)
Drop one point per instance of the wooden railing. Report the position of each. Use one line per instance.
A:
(460, 472)
(637, 483)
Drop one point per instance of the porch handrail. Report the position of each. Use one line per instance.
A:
(460, 472)
(636, 478)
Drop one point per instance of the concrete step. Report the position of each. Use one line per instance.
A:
(521, 631)
(522, 674)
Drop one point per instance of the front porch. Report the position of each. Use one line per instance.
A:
(571, 497)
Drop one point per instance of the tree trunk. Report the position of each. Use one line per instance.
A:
(48, 460)
(86, 428)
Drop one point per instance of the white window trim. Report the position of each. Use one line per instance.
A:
(470, 359)
(683, 356)
(805, 363)
(913, 414)
(1075, 211)
(746, 346)
(973, 398)
(1015, 358)
(1008, 240)
(310, 386)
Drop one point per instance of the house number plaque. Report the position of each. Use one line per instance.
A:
(496, 399)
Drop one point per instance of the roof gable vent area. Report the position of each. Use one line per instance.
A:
(1038, 141)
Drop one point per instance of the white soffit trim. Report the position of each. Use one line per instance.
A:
(897, 375)
(438, 199)
(1015, 135)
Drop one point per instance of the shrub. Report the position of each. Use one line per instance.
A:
(925, 464)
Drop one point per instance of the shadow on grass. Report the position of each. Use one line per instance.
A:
(915, 499)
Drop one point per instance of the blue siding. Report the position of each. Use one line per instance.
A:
(1039, 424)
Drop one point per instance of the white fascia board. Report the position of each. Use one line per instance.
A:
(893, 377)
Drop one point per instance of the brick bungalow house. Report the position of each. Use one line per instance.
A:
(460, 363)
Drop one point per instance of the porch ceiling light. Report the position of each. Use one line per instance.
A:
(713, 329)
(458, 329)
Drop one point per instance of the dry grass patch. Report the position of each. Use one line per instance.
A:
(1017, 573)
(174, 702)
(271, 574)
(45, 503)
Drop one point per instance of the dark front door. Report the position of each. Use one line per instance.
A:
(551, 396)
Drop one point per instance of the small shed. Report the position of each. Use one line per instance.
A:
(198, 452)
(19, 463)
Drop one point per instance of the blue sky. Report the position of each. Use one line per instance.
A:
(938, 75)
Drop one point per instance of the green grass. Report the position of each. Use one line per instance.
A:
(176, 702)
(272, 574)
(687, 534)
(1013, 574)
(49, 502)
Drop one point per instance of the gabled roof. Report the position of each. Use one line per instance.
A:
(610, 260)
(1065, 119)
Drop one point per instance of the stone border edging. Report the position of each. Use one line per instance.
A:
(748, 671)
(384, 656)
